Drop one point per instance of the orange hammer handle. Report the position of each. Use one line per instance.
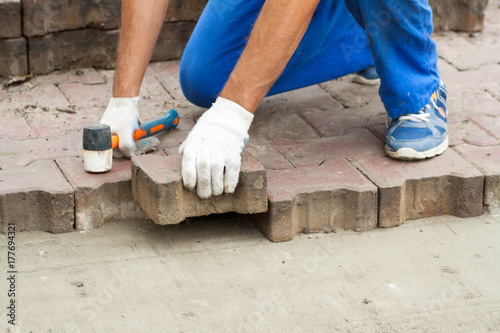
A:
(168, 121)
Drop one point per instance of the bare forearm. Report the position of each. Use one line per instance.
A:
(275, 37)
(141, 24)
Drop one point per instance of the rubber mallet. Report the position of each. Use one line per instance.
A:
(98, 143)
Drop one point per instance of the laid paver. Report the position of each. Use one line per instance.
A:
(312, 152)
(326, 198)
(172, 139)
(80, 75)
(466, 52)
(284, 124)
(445, 185)
(100, 197)
(36, 197)
(486, 159)
(352, 95)
(16, 153)
(16, 128)
(85, 95)
(464, 130)
(46, 97)
(489, 122)
(157, 187)
(340, 121)
(168, 74)
(470, 82)
(267, 155)
(57, 122)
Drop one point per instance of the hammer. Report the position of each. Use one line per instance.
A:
(98, 143)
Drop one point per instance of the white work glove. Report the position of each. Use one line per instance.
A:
(212, 149)
(122, 117)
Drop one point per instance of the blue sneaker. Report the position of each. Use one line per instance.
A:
(420, 135)
(367, 76)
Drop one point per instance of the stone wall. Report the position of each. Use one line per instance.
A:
(39, 36)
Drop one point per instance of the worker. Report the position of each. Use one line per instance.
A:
(242, 50)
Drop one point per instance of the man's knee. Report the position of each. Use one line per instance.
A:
(194, 76)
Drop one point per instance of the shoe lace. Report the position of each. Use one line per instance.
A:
(421, 116)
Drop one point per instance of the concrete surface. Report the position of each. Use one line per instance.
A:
(221, 275)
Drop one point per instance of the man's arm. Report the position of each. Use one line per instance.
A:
(141, 24)
(275, 37)
(212, 160)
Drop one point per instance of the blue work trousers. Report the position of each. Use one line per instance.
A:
(343, 37)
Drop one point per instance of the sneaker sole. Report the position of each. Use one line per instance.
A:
(361, 80)
(410, 154)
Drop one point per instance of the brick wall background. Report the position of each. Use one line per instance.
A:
(39, 36)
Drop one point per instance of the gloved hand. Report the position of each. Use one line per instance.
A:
(212, 149)
(122, 117)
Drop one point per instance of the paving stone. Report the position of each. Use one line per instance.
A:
(73, 49)
(492, 15)
(182, 10)
(339, 122)
(168, 75)
(467, 53)
(489, 122)
(473, 102)
(353, 95)
(42, 17)
(465, 15)
(267, 155)
(43, 97)
(172, 40)
(444, 185)
(16, 128)
(103, 197)
(83, 95)
(54, 123)
(10, 18)
(327, 198)
(470, 82)
(170, 141)
(313, 97)
(278, 116)
(486, 159)
(157, 187)
(98, 95)
(312, 152)
(280, 124)
(15, 153)
(13, 57)
(464, 130)
(43, 200)
(81, 75)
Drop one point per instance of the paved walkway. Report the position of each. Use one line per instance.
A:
(221, 275)
(334, 128)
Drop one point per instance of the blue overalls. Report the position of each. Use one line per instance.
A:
(343, 37)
